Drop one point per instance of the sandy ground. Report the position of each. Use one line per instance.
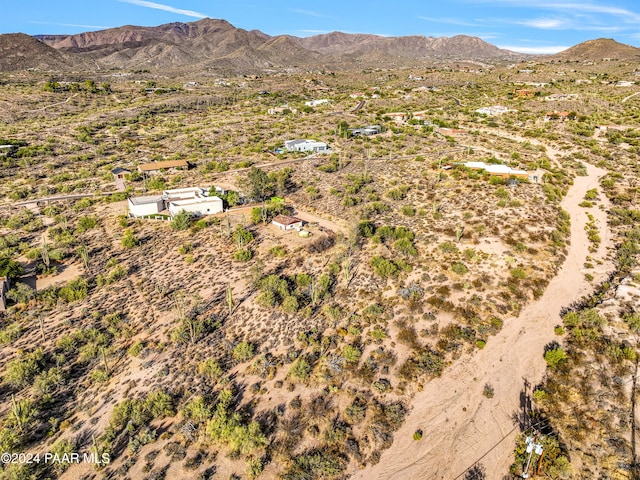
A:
(461, 427)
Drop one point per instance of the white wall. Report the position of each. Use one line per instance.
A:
(207, 206)
(145, 208)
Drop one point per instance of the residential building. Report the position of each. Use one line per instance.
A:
(191, 199)
(315, 103)
(556, 116)
(494, 110)
(397, 116)
(145, 206)
(368, 130)
(503, 171)
(7, 149)
(285, 222)
(301, 145)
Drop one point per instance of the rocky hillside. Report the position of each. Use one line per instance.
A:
(599, 49)
(22, 52)
(214, 43)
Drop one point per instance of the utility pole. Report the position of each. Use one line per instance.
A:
(532, 447)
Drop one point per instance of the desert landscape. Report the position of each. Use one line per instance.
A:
(441, 283)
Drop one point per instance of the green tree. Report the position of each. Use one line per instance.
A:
(181, 220)
(10, 268)
(260, 186)
(242, 236)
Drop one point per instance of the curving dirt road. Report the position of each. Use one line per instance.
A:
(461, 427)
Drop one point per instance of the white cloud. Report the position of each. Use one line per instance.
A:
(544, 23)
(166, 8)
(540, 49)
(309, 13)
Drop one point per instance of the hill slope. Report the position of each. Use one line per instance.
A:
(210, 43)
(597, 50)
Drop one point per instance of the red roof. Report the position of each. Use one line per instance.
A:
(286, 220)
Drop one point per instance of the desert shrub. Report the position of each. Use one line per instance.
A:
(405, 246)
(488, 390)
(74, 290)
(243, 255)
(19, 372)
(226, 426)
(243, 351)
(10, 333)
(86, 223)
(316, 465)
(448, 247)
(384, 268)
(210, 368)
(135, 349)
(181, 220)
(459, 268)
(128, 239)
(408, 210)
(555, 357)
(351, 353)
(301, 369)
(427, 362)
(278, 251)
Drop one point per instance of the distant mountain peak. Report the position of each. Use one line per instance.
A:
(598, 49)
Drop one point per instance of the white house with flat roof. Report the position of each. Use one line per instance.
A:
(198, 206)
(300, 145)
(144, 206)
(194, 200)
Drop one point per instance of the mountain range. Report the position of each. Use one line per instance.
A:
(218, 45)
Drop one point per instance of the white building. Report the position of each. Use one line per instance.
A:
(495, 110)
(197, 206)
(300, 145)
(286, 222)
(315, 103)
(144, 206)
(192, 199)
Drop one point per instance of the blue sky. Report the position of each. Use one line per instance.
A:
(529, 26)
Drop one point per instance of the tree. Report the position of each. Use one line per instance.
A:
(343, 129)
(260, 185)
(181, 220)
(242, 237)
(10, 268)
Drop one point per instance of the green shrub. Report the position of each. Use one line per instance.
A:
(135, 349)
(301, 369)
(243, 255)
(243, 351)
(128, 239)
(555, 357)
(459, 268)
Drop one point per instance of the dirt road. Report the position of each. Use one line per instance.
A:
(461, 427)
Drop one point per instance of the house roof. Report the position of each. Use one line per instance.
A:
(192, 201)
(286, 220)
(145, 200)
(149, 167)
(118, 170)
